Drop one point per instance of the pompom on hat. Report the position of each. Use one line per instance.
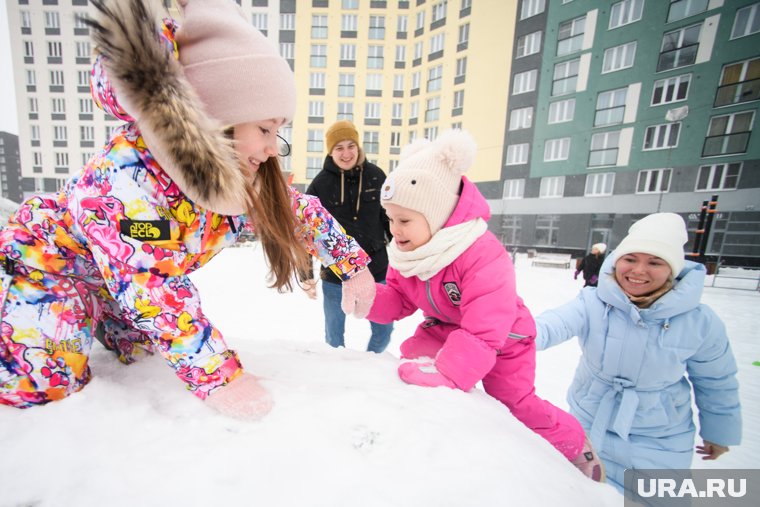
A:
(429, 176)
(236, 71)
(660, 234)
(342, 130)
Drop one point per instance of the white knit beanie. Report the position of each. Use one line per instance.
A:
(236, 71)
(601, 247)
(659, 234)
(429, 175)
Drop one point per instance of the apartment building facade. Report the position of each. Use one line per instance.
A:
(621, 109)
(10, 167)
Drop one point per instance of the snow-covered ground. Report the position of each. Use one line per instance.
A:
(345, 431)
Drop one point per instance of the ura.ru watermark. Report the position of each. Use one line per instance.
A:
(696, 488)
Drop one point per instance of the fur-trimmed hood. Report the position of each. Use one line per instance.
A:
(138, 62)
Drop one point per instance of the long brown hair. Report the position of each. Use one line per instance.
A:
(275, 224)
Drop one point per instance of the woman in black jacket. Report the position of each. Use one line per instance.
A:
(591, 264)
(349, 188)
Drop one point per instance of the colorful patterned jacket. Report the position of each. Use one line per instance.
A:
(125, 232)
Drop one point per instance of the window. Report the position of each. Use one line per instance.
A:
(372, 111)
(287, 50)
(619, 57)
(570, 36)
(31, 78)
(419, 47)
(318, 55)
(561, 111)
(660, 137)
(85, 106)
(397, 111)
(728, 134)
(60, 133)
(313, 166)
(625, 12)
(547, 229)
(552, 186)
(531, 8)
(54, 49)
(346, 111)
(414, 112)
(565, 79)
(747, 21)
(524, 82)
(316, 109)
(377, 27)
(346, 85)
(375, 83)
(521, 118)
(604, 149)
(529, 44)
(317, 80)
(435, 75)
(58, 106)
(83, 79)
(319, 27)
(56, 78)
(400, 54)
(371, 142)
(431, 133)
(87, 133)
(33, 109)
(349, 22)
(349, 4)
(464, 34)
(61, 161)
(260, 21)
(375, 57)
(287, 21)
(718, 177)
(679, 48)
(517, 154)
(599, 184)
(680, 9)
(461, 70)
(436, 43)
(653, 181)
(398, 85)
(314, 140)
(514, 189)
(739, 82)
(439, 12)
(458, 99)
(348, 52)
(610, 107)
(26, 19)
(402, 24)
(395, 139)
(420, 20)
(28, 49)
(557, 149)
(415, 79)
(34, 132)
(433, 107)
(52, 20)
(672, 89)
(83, 50)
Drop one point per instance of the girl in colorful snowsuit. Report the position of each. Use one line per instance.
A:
(444, 261)
(194, 165)
(641, 331)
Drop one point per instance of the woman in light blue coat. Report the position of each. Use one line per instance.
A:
(642, 330)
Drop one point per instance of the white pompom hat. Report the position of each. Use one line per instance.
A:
(429, 176)
(659, 234)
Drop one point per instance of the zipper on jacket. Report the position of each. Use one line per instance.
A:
(232, 224)
(432, 303)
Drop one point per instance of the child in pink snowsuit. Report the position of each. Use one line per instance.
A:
(444, 261)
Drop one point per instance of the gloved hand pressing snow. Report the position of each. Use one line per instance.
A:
(358, 294)
(244, 398)
(423, 374)
(575, 276)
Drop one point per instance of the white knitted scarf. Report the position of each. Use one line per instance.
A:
(442, 249)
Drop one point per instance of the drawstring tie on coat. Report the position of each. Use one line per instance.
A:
(359, 194)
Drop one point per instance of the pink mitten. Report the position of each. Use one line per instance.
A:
(423, 374)
(243, 398)
(358, 294)
(422, 345)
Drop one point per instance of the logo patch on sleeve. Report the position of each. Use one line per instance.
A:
(453, 292)
(146, 230)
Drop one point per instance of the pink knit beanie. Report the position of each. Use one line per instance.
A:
(235, 70)
(429, 174)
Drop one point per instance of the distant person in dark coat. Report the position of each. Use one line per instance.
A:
(591, 264)
(349, 187)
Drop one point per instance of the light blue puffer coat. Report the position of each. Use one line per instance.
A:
(631, 391)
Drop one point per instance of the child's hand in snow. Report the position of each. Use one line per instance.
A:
(423, 374)
(243, 398)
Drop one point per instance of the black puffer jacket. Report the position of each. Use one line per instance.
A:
(353, 198)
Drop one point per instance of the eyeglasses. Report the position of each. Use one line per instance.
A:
(284, 146)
